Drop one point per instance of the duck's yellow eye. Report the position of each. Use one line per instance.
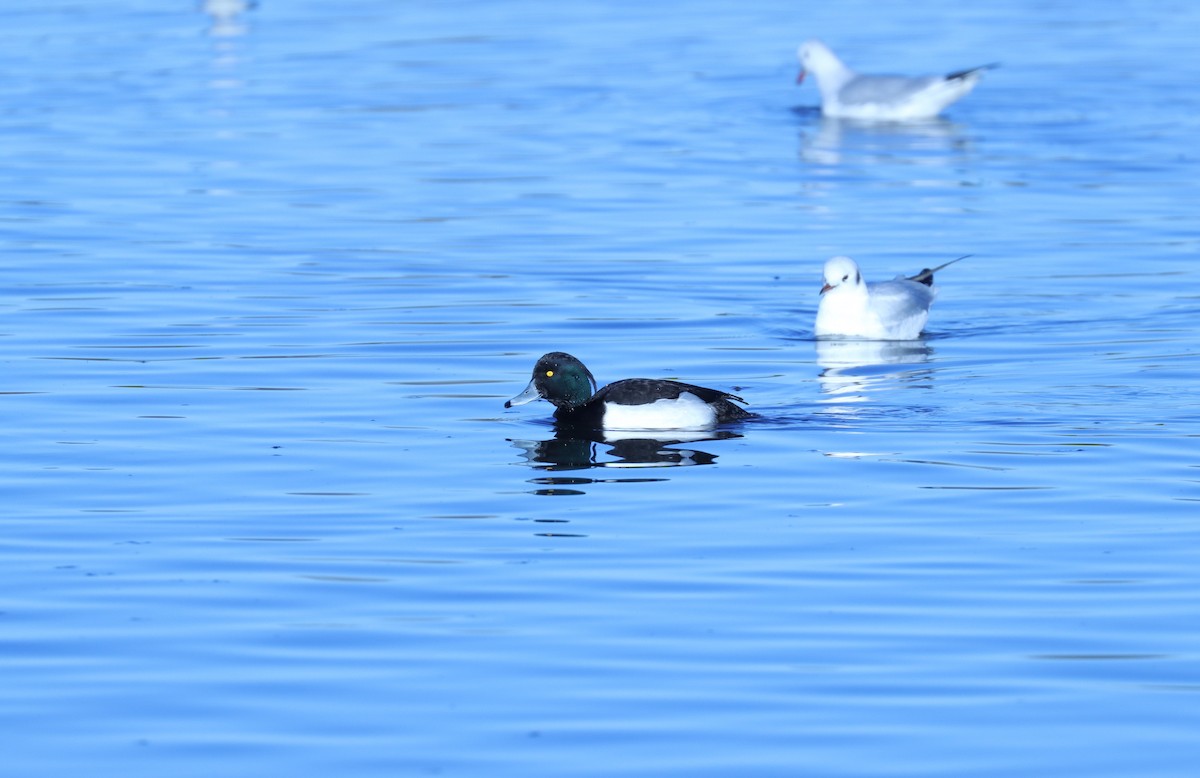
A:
(549, 373)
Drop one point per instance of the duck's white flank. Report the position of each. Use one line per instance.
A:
(687, 412)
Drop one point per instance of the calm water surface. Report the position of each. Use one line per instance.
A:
(269, 277)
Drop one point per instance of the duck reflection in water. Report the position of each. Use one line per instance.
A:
(575, 448)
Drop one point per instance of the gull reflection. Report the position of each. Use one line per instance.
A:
(924, 142)
(573, 449)
(227, 16)
(852, 367)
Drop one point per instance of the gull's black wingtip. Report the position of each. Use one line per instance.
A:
(964, 73)
(926, 275)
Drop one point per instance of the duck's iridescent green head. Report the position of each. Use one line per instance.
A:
(560, 379)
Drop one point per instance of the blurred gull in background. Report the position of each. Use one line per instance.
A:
(849, 95)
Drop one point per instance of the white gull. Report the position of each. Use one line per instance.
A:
(846, 94)
(884, 310)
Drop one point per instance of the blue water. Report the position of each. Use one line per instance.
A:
(268, 279)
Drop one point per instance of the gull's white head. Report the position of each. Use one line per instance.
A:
(817, 58)
(842, 273)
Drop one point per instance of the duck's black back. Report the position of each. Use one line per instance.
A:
(642, 391)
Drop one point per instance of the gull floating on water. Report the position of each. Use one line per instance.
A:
(885, 310)
(849, 95)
